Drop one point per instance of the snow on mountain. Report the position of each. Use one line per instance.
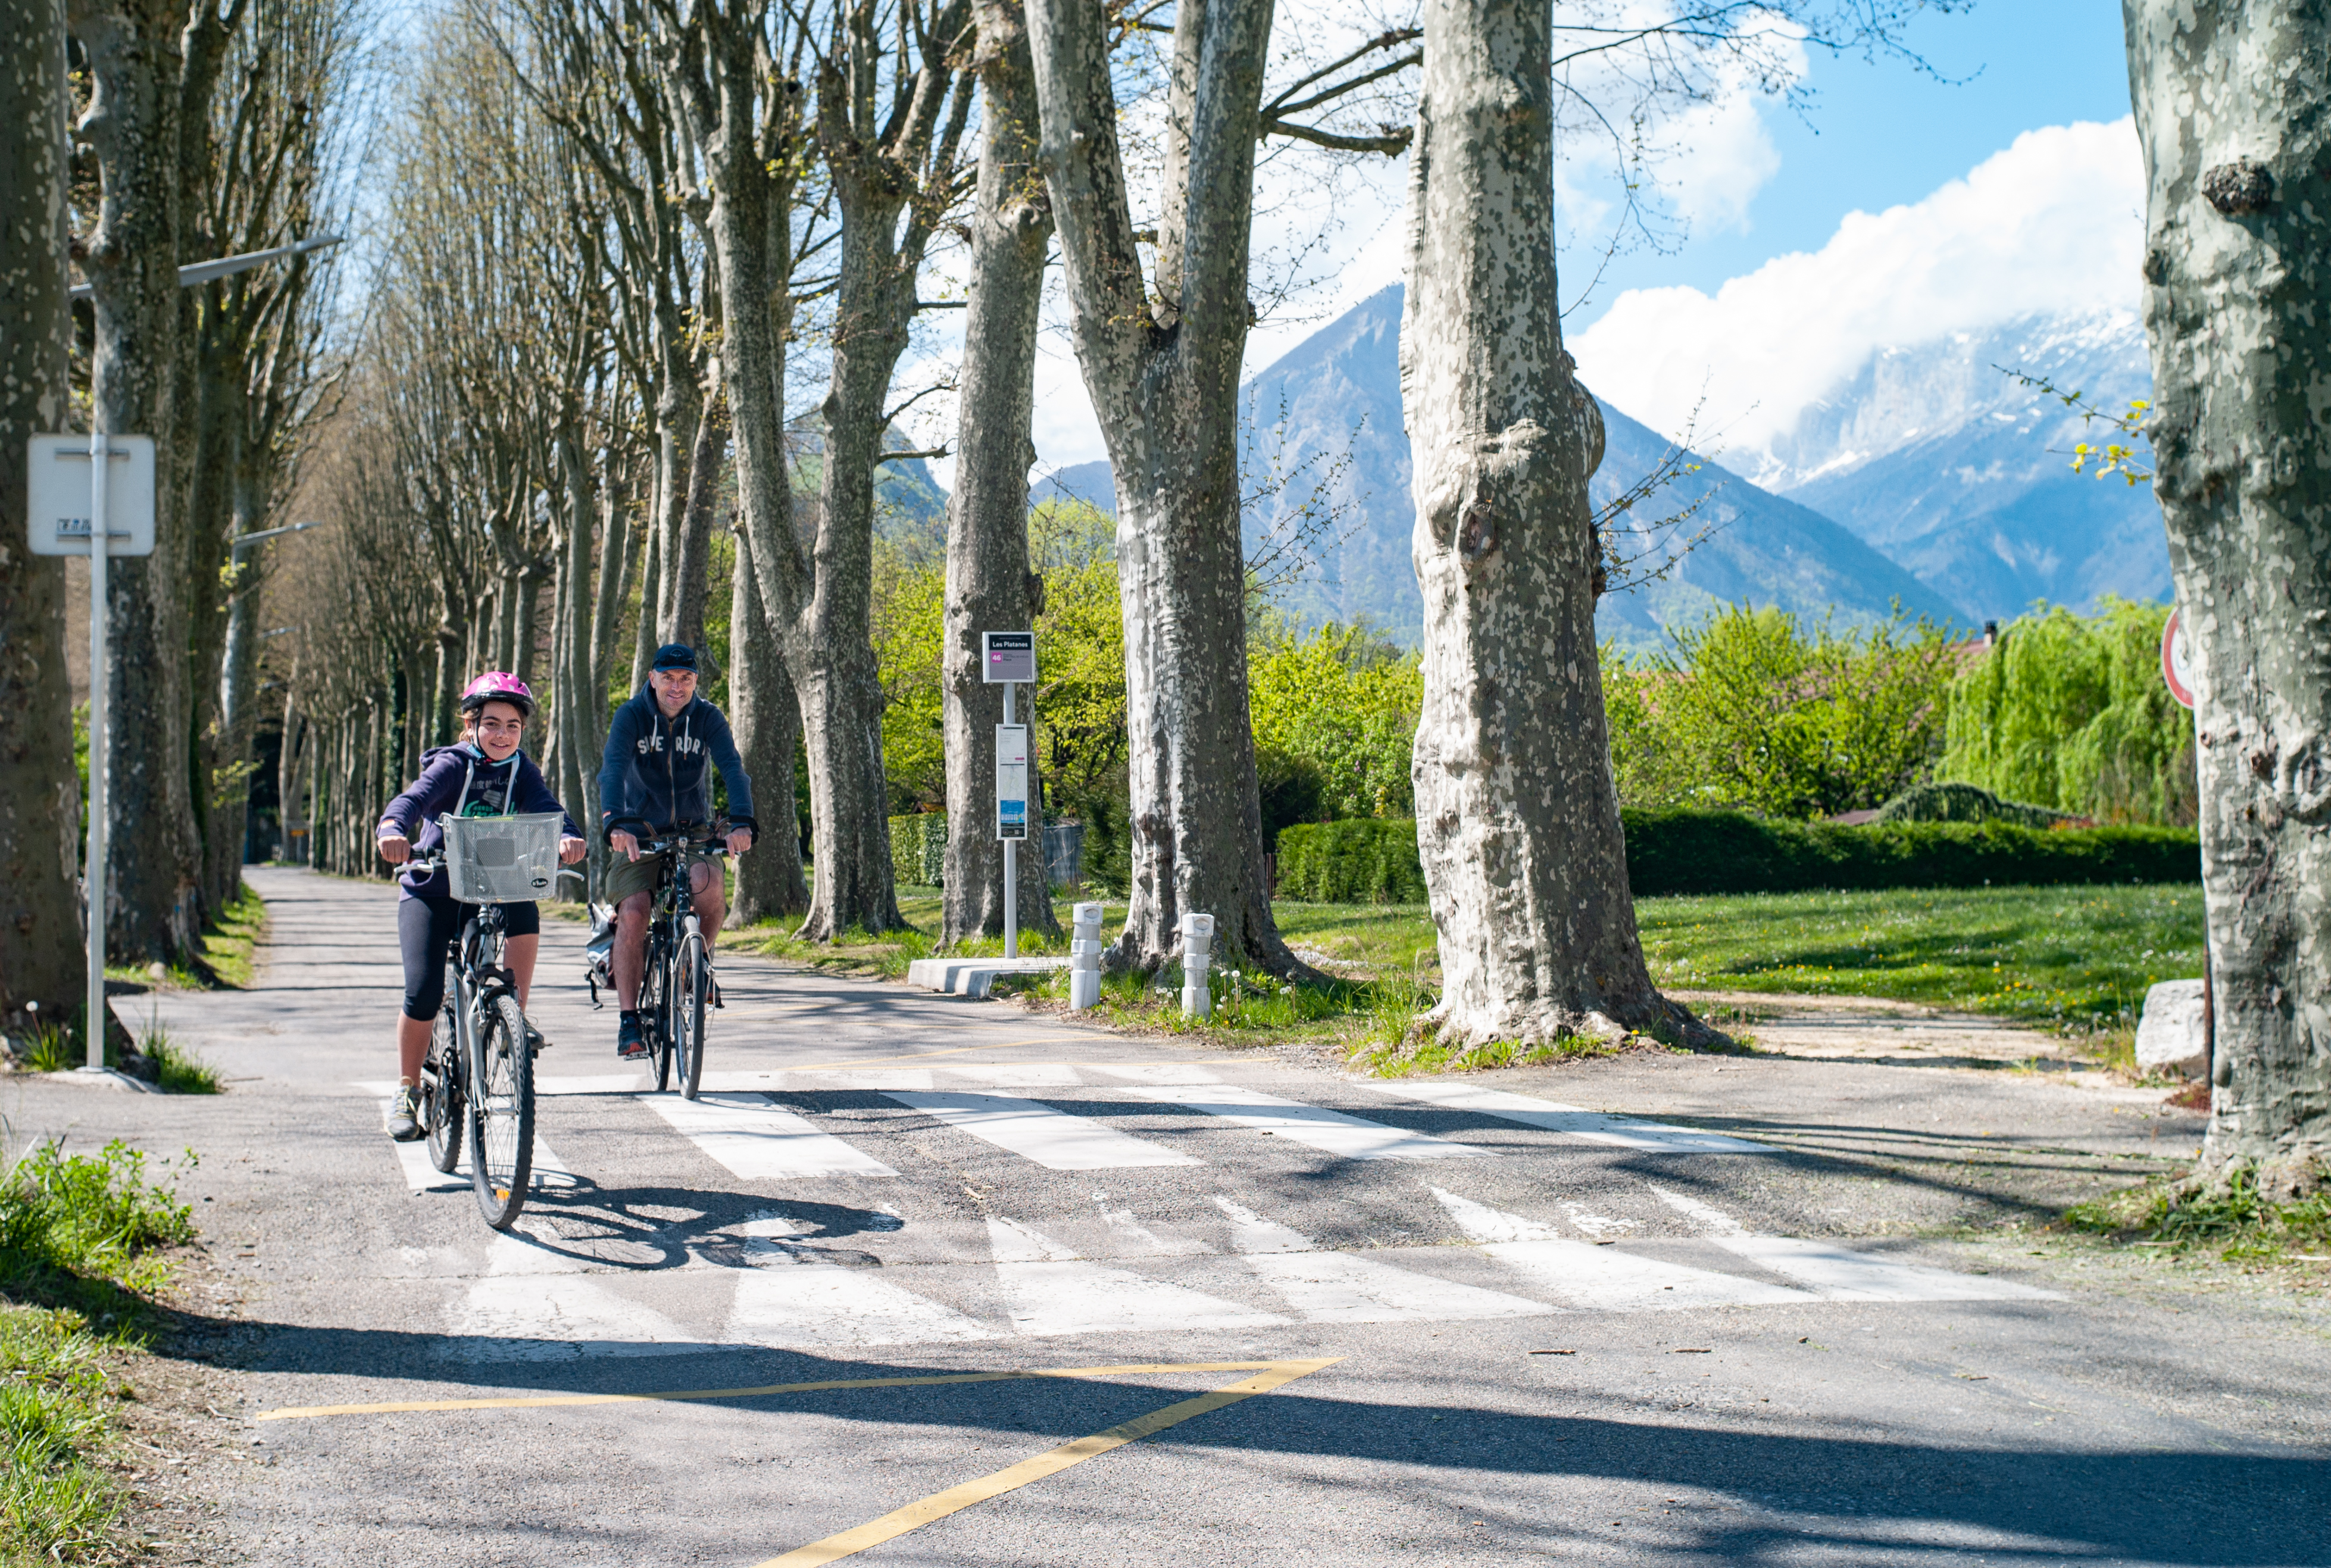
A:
(1933, 455)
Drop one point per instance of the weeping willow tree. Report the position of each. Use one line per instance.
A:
(2069, 712)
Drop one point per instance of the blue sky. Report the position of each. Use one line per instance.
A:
(1880, 134)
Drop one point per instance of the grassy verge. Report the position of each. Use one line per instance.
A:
(83, 1251)
(2075, 959)
(2234, 1221)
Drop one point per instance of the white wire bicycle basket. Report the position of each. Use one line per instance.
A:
(502, 859)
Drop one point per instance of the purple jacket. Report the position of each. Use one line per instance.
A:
(461, 780)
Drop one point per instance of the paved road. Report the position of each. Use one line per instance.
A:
(1452, 1320)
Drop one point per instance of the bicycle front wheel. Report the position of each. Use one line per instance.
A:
(691, 979)
(501, 1112)
(655, 1026)
(442, 1100)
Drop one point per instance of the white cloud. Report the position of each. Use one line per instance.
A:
(2052, 223)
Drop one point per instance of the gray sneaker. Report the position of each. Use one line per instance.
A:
(405, 1115)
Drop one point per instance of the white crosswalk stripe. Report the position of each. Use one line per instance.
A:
(797, 1302)
(760, 1141)
(1575, 1121)
(1325, 1286)
(1035, 1131)
(1048, 1290)
(1330, 1131)
(532, 1305)
(1838, 1273)
(1590, 1276)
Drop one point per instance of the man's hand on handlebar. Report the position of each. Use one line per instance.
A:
(395, 847)
(624, 844)
(739, 840)
(571, 851)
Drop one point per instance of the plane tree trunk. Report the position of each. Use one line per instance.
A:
(154, 902)
(989, 587)
(40, 953)
(1162, 375)
(766, 718)
(2233, 111)
(1516, 813)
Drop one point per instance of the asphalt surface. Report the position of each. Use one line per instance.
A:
(1713, 1325)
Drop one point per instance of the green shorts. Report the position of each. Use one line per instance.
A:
(625, 878)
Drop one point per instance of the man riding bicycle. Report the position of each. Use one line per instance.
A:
(654, 774)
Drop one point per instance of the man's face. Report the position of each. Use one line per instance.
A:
(674, 688)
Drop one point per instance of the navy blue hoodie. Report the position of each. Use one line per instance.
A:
(654, 766)
(462, 780)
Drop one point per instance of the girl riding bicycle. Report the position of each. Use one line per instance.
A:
(486, 774)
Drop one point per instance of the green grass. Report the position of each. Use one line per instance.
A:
(2233, 1220)
(2073, 958)
(83, 1241)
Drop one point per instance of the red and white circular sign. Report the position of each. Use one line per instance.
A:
(2177, 660)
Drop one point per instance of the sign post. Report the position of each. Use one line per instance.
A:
(100, 512)
(1007, 659)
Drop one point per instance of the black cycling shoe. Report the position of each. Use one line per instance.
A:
(404, 1116)
(535, 1042)
(630, 1043)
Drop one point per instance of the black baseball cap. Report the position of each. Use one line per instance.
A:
(674, 655)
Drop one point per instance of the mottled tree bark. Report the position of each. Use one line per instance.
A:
(153, 905)
(766, 720)
(2233, 110)
(692, 552)
(989, 587)
(1518, 816)
(1163, 375)
(40, 932)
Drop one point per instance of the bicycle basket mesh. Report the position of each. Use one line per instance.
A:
(501, 859)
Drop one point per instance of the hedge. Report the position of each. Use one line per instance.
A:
(918, 849)
(1358, 861)
(1374, 861)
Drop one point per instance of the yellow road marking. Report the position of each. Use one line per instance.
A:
(677, 1396)
(939, 1504)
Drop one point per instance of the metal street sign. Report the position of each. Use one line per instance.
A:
(1007, 657)
(2178, 658)
(58, 500)
(1011, 781)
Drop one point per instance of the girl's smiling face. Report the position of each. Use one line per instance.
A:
(496, 729)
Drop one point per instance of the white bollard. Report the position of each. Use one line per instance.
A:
(1197, 945)
(1084, 957)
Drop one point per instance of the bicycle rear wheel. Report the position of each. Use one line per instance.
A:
(654, 1027)
(502, 1111)
(692, 977)
(442, 1100)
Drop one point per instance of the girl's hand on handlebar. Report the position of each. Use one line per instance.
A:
(571, 851)
(395, 847)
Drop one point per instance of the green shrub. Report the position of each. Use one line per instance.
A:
(918, 849)
(1362, 861)
(1688, 852)
(1963, 803)
(1757, 711)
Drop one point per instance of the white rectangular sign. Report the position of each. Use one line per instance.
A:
(1011, 781)
(1007, 657)
(57, 495)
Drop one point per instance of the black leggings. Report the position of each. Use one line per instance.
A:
(426, 927)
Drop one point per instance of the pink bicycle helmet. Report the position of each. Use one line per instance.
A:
(498, 686)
